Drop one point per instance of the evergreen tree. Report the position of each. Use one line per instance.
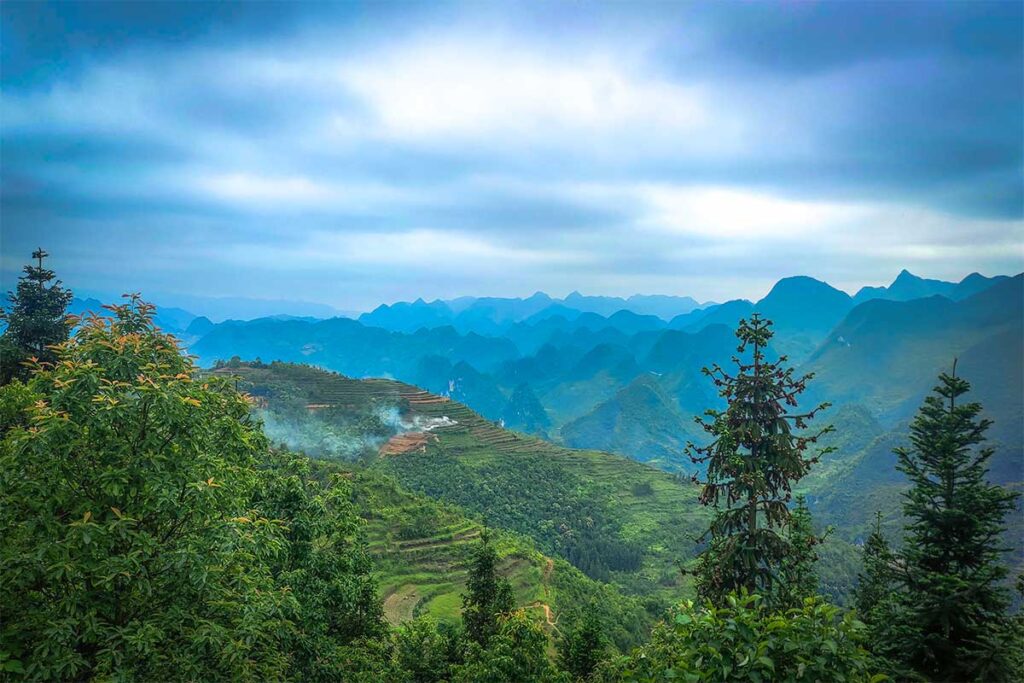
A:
(797, 578)
(877, 580)
(877, 599)
(36, 320)
(753, 459)
(489, 595)
(584, 647)
(953, 601)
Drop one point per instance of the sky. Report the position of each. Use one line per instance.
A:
(353, 154)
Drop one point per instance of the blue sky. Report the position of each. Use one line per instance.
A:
(353, 154)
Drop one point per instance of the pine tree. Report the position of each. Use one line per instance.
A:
(953, 603)
(489, 595)
(752, 462)
(36, 320)
(797, 578)
(877, 600)
(877, 580)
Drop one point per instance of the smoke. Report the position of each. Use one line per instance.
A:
(334, 435)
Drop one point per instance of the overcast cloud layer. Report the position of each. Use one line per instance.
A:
(358, 155)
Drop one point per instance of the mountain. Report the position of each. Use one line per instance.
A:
(406, 317)
(908, 286)
(347, 346)
(728, 314)
(641, 422)
(613, 518)
(887, 354)
(804, 310)
(525, 413)
(169, 319)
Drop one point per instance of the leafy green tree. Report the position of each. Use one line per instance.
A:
(584, 646)
(36, 319)
(128, 546)
(746, 640)
(752, 461)
(797, 578)
(954, 602)
(421, 652)
(489, 595)
(516, 653)
(339, 618)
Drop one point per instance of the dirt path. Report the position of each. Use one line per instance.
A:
(548, 618)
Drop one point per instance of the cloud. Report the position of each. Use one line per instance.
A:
(449, 86)
(370, 154)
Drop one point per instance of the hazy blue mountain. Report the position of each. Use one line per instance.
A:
(728, 313)
(167, 318)
(469, 386)
(199, 326)
(662, 306)
(350, 347)
(408, 317)
(803, 303)
(908, 286)
(887, 355)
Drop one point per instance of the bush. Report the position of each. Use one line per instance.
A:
(745, 641)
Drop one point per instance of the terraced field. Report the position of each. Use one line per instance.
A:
(616, 520)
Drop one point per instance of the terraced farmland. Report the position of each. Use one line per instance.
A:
(616, 520)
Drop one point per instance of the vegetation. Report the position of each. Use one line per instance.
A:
(752, 461)
(152, 532)
(35, 321)
(745, 640)
(954, 608)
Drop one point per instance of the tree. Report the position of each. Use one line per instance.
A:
(746, 640)
(129, 549)
(488, 596)
(797, 578)
(953, 598)
(877, 579)
(584, 646)
(36, 320)
(752, 460)
(516, 653)
(421, 652)
(324, 565)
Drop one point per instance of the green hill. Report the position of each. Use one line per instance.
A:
(641, 422)
(613, 518)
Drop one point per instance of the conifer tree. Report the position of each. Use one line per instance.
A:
(877, 580)
(489, 595)
(36, 320)
(953, 603)
(755, 455)
(797, 578)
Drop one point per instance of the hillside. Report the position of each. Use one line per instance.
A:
(887, 354)
(640, 422)
(612, 517)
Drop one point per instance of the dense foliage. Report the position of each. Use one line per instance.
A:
(745, 640)
(35, 320)
(129, 545)
(752, 461)
(953, 609)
